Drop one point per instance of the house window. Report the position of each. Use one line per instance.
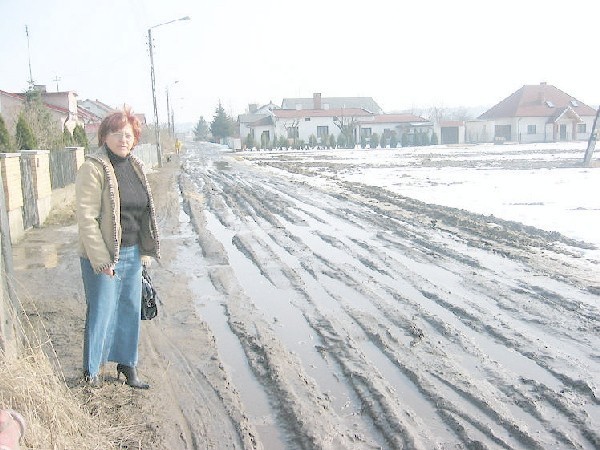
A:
(365, 132)
(581, 128)
(531, 129)
(322, 132)
(292, 132)
(307, 119)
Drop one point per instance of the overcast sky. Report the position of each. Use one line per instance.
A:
(404, 54)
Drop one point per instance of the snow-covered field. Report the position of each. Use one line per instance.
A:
(536, 184)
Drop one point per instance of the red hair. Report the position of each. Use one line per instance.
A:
(116, 122)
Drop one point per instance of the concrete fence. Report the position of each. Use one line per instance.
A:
(26, 180)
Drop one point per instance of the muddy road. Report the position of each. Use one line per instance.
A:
(350, 317)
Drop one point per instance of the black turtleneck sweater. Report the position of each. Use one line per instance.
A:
(134, 199)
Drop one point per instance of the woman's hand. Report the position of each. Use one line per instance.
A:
(110, 271)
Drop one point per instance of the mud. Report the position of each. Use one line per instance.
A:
(332, 314)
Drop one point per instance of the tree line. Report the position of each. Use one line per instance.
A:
(220, 128)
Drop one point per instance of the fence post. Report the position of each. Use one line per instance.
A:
(42, 187)
(8, 342)
(10, 169)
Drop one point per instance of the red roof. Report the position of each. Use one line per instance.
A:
(300, 113)
(539, 100)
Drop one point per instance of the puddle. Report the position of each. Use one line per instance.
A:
(209, 304)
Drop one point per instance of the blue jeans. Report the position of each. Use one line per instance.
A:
(112, 322)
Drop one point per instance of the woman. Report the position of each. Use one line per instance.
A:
(117, 235)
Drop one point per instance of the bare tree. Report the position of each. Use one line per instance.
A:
(346, 125)
(291, 128)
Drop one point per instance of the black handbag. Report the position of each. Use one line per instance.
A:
(149, 297)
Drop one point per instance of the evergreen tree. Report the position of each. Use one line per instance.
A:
(393, 140)
(80, 138)
(201, 130)
(341, 141)
(222, 125)
(283, 142)
(249, 141)
(434, 139)
(332, 141)
(264, 141)
(4, 137)
(24, 137)
(374, 140)
(47, 132)
(404, 139)
(425, 139)
(312, 141)
(67, 139)
(363, 142)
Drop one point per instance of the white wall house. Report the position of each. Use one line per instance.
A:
(534, 113)
(302, 123)
(386, 125)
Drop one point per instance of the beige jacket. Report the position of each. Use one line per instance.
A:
(99, 213)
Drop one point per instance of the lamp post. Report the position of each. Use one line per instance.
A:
(152, 78)
(170, 125)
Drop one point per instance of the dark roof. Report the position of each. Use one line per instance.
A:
(265, 121)
(251, 117)
(539, 100)
(334, 103)
(300, 113)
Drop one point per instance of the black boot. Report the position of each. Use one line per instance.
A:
(91, 380)
(131, 376)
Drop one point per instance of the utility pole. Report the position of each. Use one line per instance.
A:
(152, 77)
(591, 142)
(156, 125)
(30, 81)
(57, 79)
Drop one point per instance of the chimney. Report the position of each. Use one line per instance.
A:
(316, 100)
(542, 93)
(252, 107)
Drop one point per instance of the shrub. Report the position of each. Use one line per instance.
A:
(4, 137)
(24, 135)
(374, 140)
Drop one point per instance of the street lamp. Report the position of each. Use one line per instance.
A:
(170, 125)
(152, 78)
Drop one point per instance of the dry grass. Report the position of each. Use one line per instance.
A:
(59, 416)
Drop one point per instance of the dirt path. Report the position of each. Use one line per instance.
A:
(335, 315)
(192, 403)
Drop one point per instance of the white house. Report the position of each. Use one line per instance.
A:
(302, 123)
(534, 113)
(249, 121)
(386, 125)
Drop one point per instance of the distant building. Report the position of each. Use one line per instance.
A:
(386, 125)
(534, 113)
(61, 105)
